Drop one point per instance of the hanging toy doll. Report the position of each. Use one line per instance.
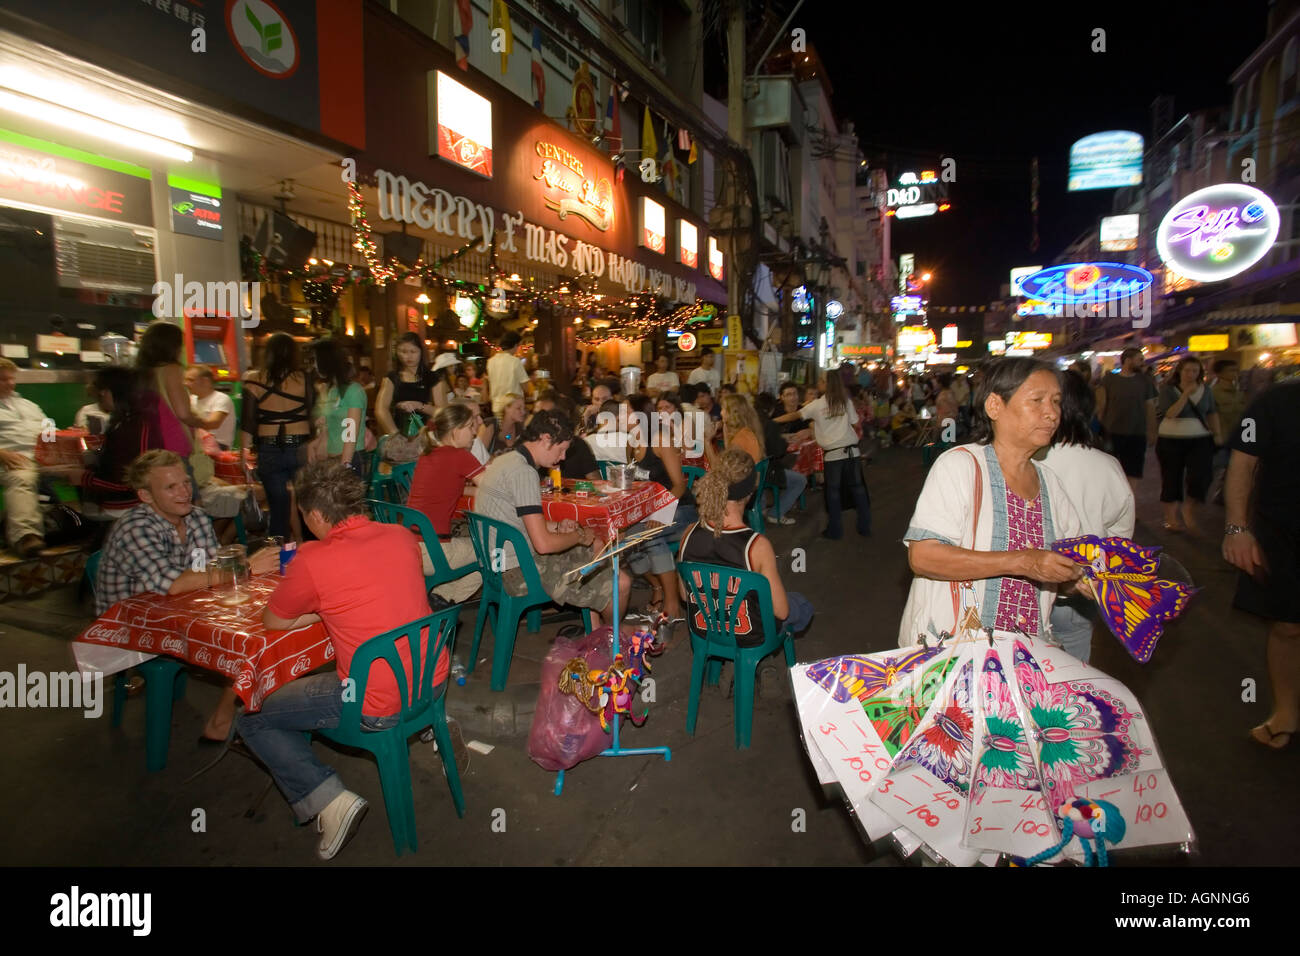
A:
(1087, 820)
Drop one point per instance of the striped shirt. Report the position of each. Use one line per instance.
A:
(144, 552)
(509, 489)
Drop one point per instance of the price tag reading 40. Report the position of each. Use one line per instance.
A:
(1152, 812)
(932, 810)
(1011, 821)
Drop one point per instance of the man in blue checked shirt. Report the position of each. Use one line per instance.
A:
(154, 547)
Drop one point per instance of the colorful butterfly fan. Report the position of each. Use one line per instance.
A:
(1134, 602)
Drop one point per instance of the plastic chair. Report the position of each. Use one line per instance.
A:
(719, 644)
(164, 685)
(386, 512)
(490, 537)
(389, 747)
(693, 472)
(754, 513)
(603, 468)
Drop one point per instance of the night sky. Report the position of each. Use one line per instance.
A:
(993, 89)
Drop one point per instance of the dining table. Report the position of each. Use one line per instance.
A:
(218, 629)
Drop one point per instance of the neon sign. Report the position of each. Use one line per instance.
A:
(800, 300)
(1106, 161)
(464, 126)
(715, 259)
(925, 178)
(913, 212)
(585, 197)
(1085, 282)
(1218, 232)
(834, 309)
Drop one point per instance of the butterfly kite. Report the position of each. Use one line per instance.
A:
(1134, 602)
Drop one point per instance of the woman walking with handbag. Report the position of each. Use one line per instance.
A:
(1189, 429)
(833, 417)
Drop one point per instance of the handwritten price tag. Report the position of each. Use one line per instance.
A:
(1011, 821)
(1149, 805)
(929, 808)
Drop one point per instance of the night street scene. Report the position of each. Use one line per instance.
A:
(654, 433)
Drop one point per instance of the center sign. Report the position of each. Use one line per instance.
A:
(1218, 232)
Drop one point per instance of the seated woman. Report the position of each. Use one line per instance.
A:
(650, 439)
(500, 432)
(722, 537)
(104, 489)
(979, 539)
(741, 428)
(444, 473)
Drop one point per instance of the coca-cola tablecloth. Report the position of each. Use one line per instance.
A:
(609, 510)
(200, 629)
(67, 448)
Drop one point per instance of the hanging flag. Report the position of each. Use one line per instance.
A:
(649, 145)
(539, 72)
(501, 21)
(613, 124)
(683, 139)
(462, 38)
(695, 153)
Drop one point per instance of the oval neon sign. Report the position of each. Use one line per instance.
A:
(1085, 282)
(1218, 232)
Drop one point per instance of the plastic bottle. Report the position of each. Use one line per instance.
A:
(287, 552)
(458, 671)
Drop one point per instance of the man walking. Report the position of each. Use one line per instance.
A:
(1127, 409)
(505, 370)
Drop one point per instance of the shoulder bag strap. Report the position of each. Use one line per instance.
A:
(956, 586)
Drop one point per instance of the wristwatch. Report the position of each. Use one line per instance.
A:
(1235, 529)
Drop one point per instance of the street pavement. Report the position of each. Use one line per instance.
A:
(77, 792)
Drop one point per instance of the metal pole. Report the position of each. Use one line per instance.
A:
(779, 33)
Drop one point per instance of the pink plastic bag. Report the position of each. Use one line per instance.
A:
(564, 731)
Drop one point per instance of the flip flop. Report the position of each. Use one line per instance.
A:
(1272, 736)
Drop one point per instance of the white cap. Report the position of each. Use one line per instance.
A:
(446, 360)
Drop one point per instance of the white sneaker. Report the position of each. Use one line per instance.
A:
(338, 823)
(785, 519)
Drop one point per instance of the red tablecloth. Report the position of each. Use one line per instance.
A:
(67, 448)
(611, 510)
(198, 629)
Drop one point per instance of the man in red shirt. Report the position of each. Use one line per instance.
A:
(361, 579)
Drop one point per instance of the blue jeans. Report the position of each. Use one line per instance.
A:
(1072, 629)
(795, 483)
(801, 613)
(846, 472)
(275, 735)
(276, 466)
(655, 557)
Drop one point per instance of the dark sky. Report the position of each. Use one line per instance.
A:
(992, 88)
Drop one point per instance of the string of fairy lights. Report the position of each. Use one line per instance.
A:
(598, 318)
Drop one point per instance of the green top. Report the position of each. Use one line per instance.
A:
(334, 410)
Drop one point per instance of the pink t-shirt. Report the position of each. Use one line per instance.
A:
(363, 580)
(1018, 598)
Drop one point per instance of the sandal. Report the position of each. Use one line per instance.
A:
(655, 605)
(1272, 736)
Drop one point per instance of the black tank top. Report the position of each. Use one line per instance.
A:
(657, 471)
(730, 549)
(417, 391)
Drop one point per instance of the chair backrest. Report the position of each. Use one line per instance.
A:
(92, 569)
(490, 538)
(402, 477)
(692, 472)
(754, 513)
(603, 467)
(438, 630)
(386, 512)
(718, 595)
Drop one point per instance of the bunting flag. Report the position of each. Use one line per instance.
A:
(539, 72)
(649, 145)
(462, 38)
(501, 21)
(695, 153)
(683, 139)
(613, 124)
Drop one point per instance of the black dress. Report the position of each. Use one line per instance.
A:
(417, 391)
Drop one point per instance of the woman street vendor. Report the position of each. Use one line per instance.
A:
(979, 538)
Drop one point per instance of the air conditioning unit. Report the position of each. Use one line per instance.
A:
(91, 255)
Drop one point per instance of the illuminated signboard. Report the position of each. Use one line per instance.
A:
(948, 337)
(1036, 307)
(1106, 161)
(1207, 343)
(834, 309)
(1277, 335)
(996, 347)
(464, 125)
(905, 196)
(941, 358)
(1017, 276)
(925, 177)
(654, 230)
(906, 266)
(688, 244)
(1218, 232)
(870, 351)
(915, 338)
(800, 300)
(1085, 282)
(196, 213)
(573, 190)
(1119, 233)
(686, 341)
(715, 259)
(1030, 341)
(914, 212)
(907, 305)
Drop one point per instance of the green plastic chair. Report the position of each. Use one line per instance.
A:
(693, 472)
(394, 487)
(491, 537)
(718, 643)
(754, 513)
(386, 512)
(427, 709)
(164, 679)
(603, 468)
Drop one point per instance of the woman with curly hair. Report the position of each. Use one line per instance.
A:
(741, 428)
(722, 537)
